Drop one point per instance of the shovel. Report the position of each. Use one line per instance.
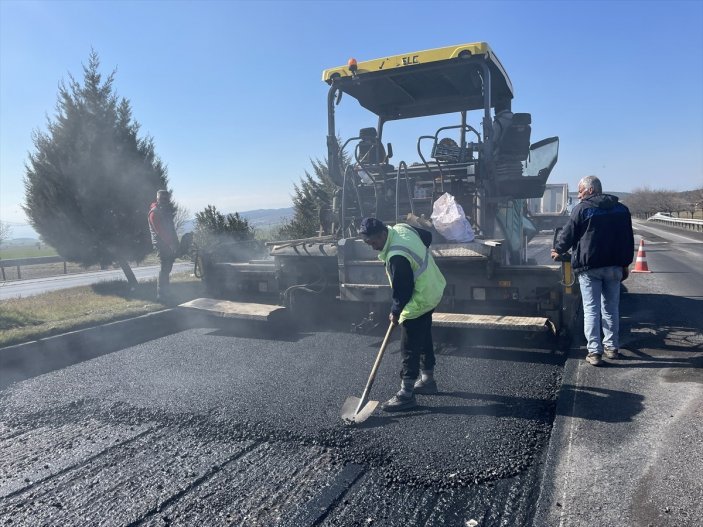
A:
(357, 410)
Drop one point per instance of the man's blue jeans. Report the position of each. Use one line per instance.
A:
(600, 291)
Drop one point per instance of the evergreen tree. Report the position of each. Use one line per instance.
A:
(91, 179)
(211, 226)
(312, 201)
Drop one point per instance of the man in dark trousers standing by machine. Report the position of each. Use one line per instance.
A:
(164, 240)
(417, 286)
(599, 233)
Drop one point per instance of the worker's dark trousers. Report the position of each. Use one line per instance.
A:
(416, 346)
(163, 283)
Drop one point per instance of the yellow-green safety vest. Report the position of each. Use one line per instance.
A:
(404, 241)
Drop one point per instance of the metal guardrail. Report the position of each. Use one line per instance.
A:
(37, 260)
(681, 223)
(17, 263)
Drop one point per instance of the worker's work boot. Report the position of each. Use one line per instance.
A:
(403, 400)
(400, 401)
(612, 353)
(594, 359)
(426, 385)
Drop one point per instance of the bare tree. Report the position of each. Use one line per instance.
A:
(697, 201)
(644, 202)
(180, 218)
(5, 232)
(690, 207)
(641, 202)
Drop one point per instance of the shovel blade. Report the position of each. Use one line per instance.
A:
(349, 413)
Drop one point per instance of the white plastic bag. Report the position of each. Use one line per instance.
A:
(450, 221)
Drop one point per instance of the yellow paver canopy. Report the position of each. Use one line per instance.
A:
(430, 82)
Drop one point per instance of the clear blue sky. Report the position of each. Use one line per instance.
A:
(232, 93)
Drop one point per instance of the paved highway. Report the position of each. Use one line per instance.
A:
(247, 430)
(625, 442)
(676, 258)
(234, 425)
(24, 288)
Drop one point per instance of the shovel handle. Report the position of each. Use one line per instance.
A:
(374, 370)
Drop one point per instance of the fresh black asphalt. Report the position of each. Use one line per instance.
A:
(239, 425)
(237, 391)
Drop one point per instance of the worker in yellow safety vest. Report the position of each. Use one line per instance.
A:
(417, 285)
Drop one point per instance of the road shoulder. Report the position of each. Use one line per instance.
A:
(626, 435)
(29, 359)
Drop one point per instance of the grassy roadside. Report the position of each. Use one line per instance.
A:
(40, 316)
(25, 251)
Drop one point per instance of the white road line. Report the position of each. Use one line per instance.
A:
(569, 445)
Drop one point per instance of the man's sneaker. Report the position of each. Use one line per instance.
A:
(427, 387)
(612, 353)
(594, 359)
(400, 402)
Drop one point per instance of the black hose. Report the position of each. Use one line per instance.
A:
(320, 282)
(197, 264)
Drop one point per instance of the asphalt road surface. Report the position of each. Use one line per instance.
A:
(235, 425)
(216, 426)
(676, 258)
(625, 444)
(24, 288)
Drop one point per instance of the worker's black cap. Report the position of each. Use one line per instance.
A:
(371, 226)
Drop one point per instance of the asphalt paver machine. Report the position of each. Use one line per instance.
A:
(503, 279)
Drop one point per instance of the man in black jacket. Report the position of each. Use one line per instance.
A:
(599, 233)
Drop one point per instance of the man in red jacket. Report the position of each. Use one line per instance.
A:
(164, 240)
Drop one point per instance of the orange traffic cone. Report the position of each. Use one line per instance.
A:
(641, 262)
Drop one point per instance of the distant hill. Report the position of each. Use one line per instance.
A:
(621, 195)
(268, 217)
(261, 218)
(258, 218)
(19, 242)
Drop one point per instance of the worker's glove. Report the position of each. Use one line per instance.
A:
(393, 318)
